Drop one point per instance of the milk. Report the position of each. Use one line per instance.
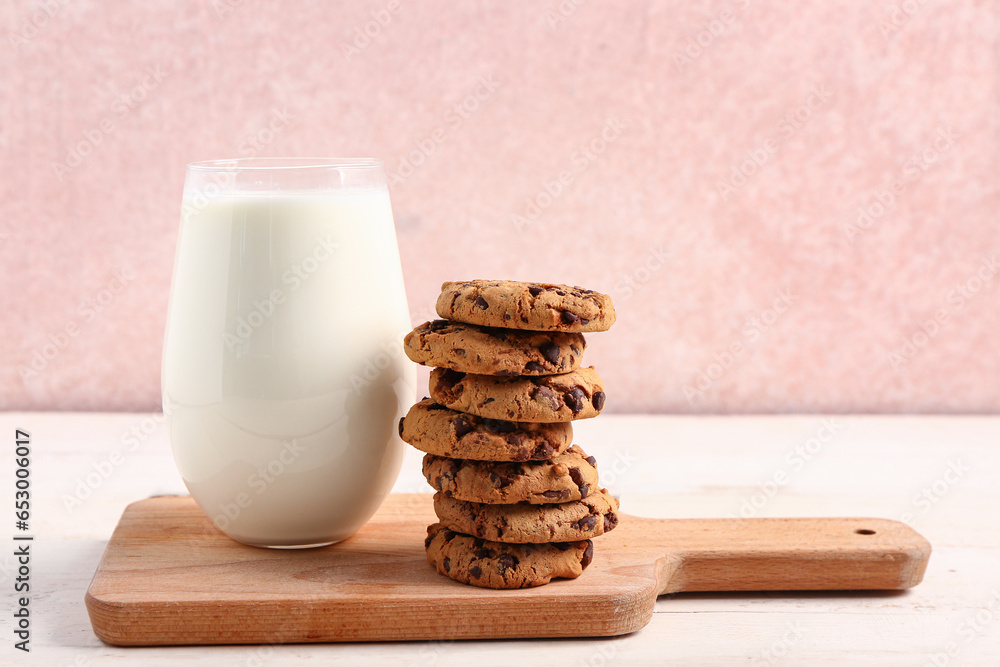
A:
(283, 372)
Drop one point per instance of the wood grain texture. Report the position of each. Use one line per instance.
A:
(168, 576)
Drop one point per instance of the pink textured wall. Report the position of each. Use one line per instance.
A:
(703, 162)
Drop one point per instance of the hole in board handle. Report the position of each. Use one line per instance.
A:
(864, 531)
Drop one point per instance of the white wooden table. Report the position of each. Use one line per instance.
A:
(892, 467)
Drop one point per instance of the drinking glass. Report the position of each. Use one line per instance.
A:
(283, 372)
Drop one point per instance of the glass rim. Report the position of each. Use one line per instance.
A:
(285, 163)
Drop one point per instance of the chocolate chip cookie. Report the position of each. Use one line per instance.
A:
(491, 351)
(578, 394)
(433, 428)
(532, 306)
(520, 523)
(495, 565)
(569, 476)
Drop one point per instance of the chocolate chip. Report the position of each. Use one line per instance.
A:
(560, 292)
(591, 460)
(484, 552)
(584, 321)
(481, 302)
(487, 401)
(506, 374)
(401, 426)
(546, 396)
(462, 426)
(436, 406)
(562, 546)
(500, 480)
(551, 352)
(449, 535)
(534, 367)
(459, 351)
(588, 555)
(447, 382)
(574, 399)
(598, 400)
(427, 541)
(610, 521)
(475, 571)
(543, 452)
(437, 325)
(569, 318)
(499, 334)
(585, 524)
(534, 291)
(577, 478)
(446, 564)
(452, 377)
(506, 562)
(561, 494)
(499, 426)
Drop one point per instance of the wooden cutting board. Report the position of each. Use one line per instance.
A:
(168, 576)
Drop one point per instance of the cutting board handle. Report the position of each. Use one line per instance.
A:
(787, 554)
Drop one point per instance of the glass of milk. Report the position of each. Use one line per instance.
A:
(283, 371)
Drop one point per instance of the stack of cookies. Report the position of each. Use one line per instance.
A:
(517, 501)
